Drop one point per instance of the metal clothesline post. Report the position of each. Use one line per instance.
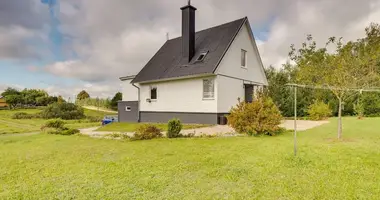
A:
(295, 86)
(295, 120)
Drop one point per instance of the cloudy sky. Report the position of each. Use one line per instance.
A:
(88, 44)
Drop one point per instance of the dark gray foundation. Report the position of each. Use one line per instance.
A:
(187, 118)
(128, 111)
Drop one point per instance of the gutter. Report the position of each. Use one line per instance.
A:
(138, 104)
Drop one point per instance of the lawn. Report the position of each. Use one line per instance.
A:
(43, 166)
(9, 125)
(131, 127)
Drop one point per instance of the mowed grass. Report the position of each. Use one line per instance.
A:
(131, 127)
(9, 125)
(43, 166)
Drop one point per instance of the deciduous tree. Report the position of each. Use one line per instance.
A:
(83, 95)
(354, 65)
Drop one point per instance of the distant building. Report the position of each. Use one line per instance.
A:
(2, 102)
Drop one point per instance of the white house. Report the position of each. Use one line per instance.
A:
(197, 77)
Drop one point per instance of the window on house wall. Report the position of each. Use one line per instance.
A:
(208, 89)
(243, 58)
(153, 92)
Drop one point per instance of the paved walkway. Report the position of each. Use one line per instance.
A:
(216, 130)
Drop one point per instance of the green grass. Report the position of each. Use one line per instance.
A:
(131, 127)
(96, 113)
(9, 125)
(43, 166)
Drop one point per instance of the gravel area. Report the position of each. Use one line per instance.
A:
(218, 129)
(302, 125)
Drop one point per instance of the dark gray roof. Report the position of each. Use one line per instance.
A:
(168, 61)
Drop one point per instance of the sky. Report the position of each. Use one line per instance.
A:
(89, 44)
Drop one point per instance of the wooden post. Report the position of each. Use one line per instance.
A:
(295, 120)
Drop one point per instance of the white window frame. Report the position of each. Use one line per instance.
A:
(246, 58)
(150, 93)
(210, 95)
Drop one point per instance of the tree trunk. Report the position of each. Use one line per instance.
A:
(340, 119)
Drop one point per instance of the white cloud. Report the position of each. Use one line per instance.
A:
(322, 19)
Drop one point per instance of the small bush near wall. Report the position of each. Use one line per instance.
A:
(147, 132)
(174, 128)
(261, 117)
(319, 111)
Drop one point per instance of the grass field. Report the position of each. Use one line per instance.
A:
(9, 125)
(43, 166)
(131, 127)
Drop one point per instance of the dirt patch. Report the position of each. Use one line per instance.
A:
(302, 125)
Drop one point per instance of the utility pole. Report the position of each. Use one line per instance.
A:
(295, 120)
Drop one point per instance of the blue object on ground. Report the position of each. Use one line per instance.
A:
(108, 120)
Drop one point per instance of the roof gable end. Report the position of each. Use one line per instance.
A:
(168, 62)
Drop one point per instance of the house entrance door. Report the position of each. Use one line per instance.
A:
(248, 88)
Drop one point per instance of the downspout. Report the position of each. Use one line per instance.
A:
(138, 102)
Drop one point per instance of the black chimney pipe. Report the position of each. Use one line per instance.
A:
(188, 31)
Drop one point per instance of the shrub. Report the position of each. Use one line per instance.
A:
(147, 132)
(65, 131)
(67, 111)
(319, 111)
(371, 104)
(22, 115)
(56, 123)
(94, 118)
(359, 109)
(259, 117)
(174, 128)
(70, 131)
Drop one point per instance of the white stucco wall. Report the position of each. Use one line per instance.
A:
(130, 93)
(184, 95)
(231, 63)
(229, 90)
(232, 77)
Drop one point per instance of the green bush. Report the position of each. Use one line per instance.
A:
(359, 109)
(70, 131)
(65, 131)
(319, 111)
(147, 132)
(67, 111)
(174, 128)
(55, 123)
(22, 115)
(94, 118)
(261, 117)
(371, 104)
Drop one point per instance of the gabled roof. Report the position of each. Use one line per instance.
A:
(168, 62)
